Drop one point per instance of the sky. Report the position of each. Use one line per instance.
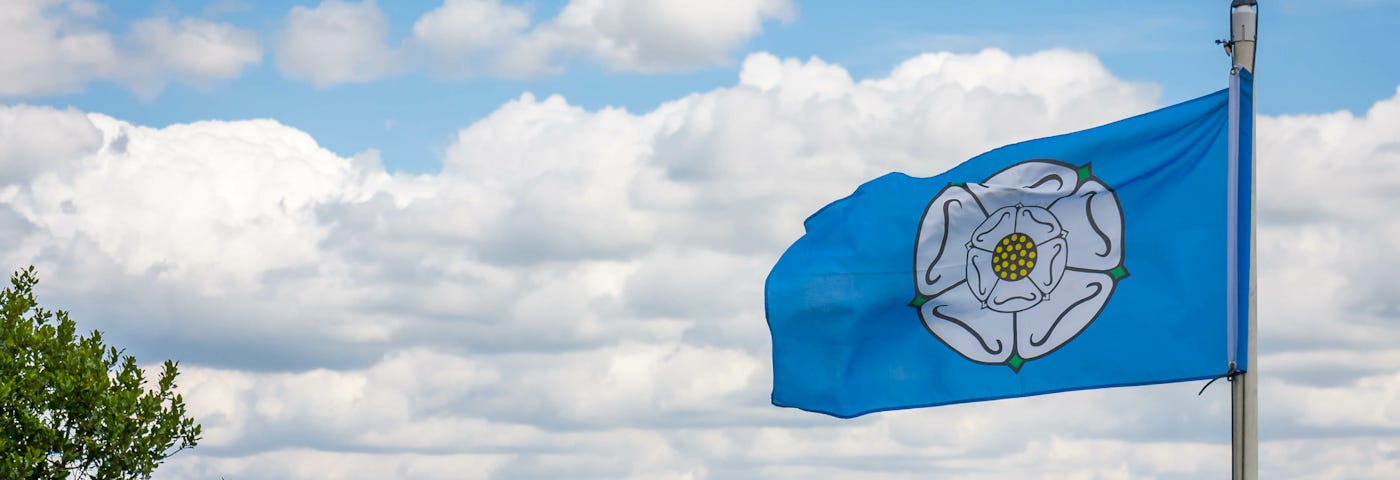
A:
(498, 239)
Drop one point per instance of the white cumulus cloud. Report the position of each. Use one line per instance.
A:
(578, 293)
(195, 51)
(335, 42)
(660, 35)
(341, 42)
(55, 47)
(454, 33)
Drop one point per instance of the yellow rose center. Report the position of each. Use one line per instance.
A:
(1014, 257)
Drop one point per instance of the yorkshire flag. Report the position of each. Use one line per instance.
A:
(1109, 257)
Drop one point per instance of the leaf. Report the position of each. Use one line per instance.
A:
(76, 406)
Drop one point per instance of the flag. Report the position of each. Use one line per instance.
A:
(1113, 256)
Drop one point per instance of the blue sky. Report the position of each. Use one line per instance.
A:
(553, 267)
(410, 118)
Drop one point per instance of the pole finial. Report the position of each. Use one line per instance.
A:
(1244, 23)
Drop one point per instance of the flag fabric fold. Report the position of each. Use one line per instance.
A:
(1094, 259)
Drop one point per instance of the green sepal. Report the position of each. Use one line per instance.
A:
(919, 300)
(1118, 273)
(1015, 362)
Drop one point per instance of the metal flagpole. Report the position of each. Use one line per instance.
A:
(1244, 430)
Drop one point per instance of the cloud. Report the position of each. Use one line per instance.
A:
(666, 35)
(38, 139)
(1325, 182)
(197, 52)
(60, 54)
(454, 33)
(335, 42)
(58, 49)
(295, 464)
(578, 292)
(338, 42)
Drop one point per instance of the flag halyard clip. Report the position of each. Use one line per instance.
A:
(1229, 376)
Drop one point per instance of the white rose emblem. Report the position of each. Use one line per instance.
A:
(1010, 269)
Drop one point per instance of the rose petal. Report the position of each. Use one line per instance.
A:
(980, 276)
(1093, 225)
(1013, 295)
(1078, 299)
(1000, 224)
(1038, 223)
(958, 319)
(1037, 182)
(1049, 264)
(943, 234)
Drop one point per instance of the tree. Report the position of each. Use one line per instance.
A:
(72, 406)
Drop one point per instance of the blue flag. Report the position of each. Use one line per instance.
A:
(1113, 256)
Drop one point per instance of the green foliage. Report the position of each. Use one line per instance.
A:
(72, 406)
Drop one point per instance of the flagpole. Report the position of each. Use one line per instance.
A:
(1244, 431)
